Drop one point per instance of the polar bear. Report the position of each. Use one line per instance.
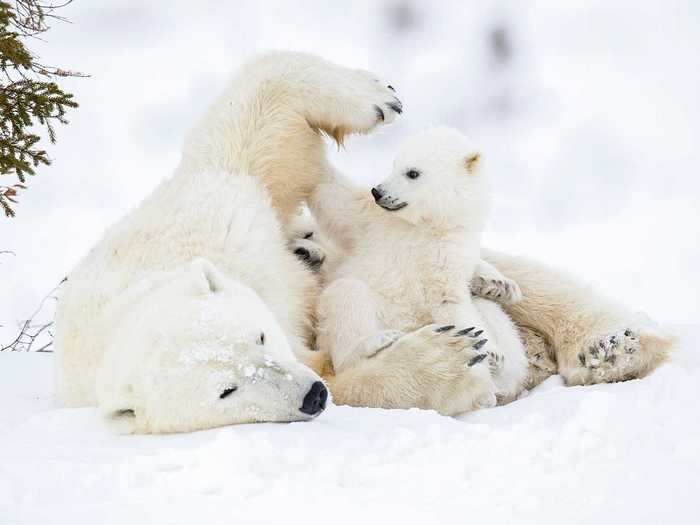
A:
(190, 312)
(413, 254)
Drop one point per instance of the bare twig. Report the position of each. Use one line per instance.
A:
(30, 332)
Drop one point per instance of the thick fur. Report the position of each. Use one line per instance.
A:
(412, 254)
(167, 312)
(589, 338)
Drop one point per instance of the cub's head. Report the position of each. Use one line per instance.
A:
(191, 349)
(436, 179)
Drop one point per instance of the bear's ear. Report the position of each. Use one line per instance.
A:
(120, 420)
(208, 277)
(472, 161)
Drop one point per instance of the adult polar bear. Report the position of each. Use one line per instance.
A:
(191, 313)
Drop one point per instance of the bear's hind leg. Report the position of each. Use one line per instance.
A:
(576, 320)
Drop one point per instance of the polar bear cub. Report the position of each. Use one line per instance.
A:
(411, 265)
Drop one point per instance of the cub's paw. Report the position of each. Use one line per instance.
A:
(612, 357)
(308, 252)
(504, 291)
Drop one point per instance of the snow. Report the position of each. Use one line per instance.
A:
(590, 131)
(618, 453)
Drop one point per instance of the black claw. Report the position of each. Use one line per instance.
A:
(380, 113)
(391, 87)
(479, 344)
(303, 253)
(396, 107)
(465, 331)
(613, 340)
(601, 344)
(478, 333)
(582, 359)
(444, 328)
(476, 359)
(593, 351)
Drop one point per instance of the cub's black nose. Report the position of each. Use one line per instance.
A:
(315, 400)
(376, 194)
(302, 253)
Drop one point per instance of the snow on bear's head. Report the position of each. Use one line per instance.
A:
(436, 180)
(196, 350)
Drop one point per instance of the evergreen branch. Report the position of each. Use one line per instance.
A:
(28, 96)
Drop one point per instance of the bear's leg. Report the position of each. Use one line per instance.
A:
(335, 99)
(332, 98)
(593, 339)
(540, 357)
(506, 352)
(433, 368)
(348, 323)
(270, 121)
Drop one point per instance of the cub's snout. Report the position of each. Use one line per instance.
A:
(377, 194)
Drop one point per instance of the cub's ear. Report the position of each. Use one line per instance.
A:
(472, 161)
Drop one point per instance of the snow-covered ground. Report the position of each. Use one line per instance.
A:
(620, 453)
(589, 117)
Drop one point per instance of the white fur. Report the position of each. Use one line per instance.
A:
(410, 265)
(166, 311)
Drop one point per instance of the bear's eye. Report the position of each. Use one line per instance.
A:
(413, 174)
(261, 339)
(228, 392)
(309, 235)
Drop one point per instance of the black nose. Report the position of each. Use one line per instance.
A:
(376, 194)
(303, 253)
(315, 399)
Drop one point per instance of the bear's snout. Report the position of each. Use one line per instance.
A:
(377, 194)
(315, 399)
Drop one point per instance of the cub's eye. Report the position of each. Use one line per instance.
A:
(309, 235)
(261, 339)
(413, 174)
(228, 392)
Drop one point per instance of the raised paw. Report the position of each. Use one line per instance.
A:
(504, 291)
(370, 103)
(611, 357)
(308, 252)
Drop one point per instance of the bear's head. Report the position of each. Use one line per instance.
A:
(436, 180)
(191, 349)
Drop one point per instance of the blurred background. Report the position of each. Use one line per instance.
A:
(588, 115)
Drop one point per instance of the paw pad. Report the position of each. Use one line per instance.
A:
(610, 355)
